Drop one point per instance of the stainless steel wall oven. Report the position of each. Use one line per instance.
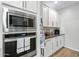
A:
(10, 45)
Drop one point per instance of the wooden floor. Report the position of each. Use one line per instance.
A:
(65, 52)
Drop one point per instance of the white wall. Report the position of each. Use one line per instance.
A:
(70, 22)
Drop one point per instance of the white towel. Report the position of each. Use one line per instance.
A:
(20, 45)
(20, 50)
(27, 39)
(27, 48)
(27, 43)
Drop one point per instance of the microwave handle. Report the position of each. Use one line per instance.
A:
(7, 21)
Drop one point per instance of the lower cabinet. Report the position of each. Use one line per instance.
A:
(48, 48)
(57, 43)
(61, 41)
(53, 44)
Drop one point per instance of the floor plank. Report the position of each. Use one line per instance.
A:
(65, 52)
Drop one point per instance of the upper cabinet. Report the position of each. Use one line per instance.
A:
(14, 3)
(27, 5)
(53, 18)
(45, 15)
(50, 17)
(31, 5)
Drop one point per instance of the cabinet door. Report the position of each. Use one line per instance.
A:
(58, 20)
(31, 6)
(51, 17)
(48, 48)
(57, 43)
(45, 15)
(54, 45)
(14, 3)
(60, 41)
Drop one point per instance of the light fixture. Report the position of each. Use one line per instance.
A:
(55, 2)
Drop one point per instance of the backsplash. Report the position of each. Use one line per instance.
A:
(50, 31)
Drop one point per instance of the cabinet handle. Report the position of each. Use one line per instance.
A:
(60, 42)
(23, 4)
(57, 43)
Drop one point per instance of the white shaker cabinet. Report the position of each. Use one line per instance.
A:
(62, 39)
(58, 20)
(54, 45)
(31, 6)
(14, 3)
(27, 5)
(48, 48)
(45, 10)
(51, 17)
(57, 43)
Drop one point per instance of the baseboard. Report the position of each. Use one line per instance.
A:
(72, 48)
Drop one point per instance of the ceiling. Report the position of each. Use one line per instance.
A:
(60, 4)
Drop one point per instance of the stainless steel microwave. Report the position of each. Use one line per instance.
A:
(17, 21)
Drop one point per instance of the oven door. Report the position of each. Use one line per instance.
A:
(10, 49)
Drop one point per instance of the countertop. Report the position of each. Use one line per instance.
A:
(52, 36)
